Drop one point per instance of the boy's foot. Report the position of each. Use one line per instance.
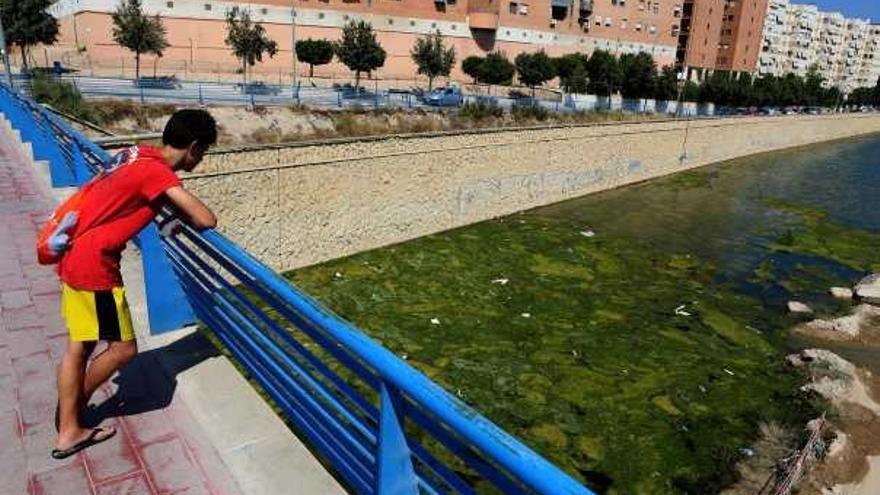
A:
(94, 436)
(82, 413)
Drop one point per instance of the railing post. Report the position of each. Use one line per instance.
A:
(201, 96)
(142, 94)
(167, 305)
(396, 474)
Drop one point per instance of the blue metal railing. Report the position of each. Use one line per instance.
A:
(380, 425)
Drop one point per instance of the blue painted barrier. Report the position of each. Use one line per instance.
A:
(380, 425)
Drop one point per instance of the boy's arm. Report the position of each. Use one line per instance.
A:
(195, 213)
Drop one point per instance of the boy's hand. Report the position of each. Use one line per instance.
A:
(59, 241)
(170, 227)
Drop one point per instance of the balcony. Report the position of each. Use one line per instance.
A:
(483, 14)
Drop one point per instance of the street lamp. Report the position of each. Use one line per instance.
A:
(293, 39)
(680, 77)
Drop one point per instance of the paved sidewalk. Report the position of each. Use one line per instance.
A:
(158, 448)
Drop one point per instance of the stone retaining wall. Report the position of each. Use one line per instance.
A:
(299, 206)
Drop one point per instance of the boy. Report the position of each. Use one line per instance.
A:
(93, 304)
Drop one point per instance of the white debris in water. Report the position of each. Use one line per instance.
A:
(575, 353)
(754, 329)
(703, 389)
(500, 281)
(526, 315)
(588, 233)
(729, 372)
(337, 275)
(435, 321)
(681, 312)
(404, 356)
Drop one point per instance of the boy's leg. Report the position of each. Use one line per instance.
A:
(71, 372)
(115, 356)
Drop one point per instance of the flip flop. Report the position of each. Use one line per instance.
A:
(92, 439)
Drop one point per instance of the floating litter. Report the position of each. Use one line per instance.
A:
(588, 233)
(435, 321)
(337, 275)
(729, 372)
(681, 312)
(501, 281)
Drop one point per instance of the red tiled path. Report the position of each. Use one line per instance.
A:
(149, 454)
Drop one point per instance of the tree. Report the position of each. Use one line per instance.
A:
(534, 69)
(432, 57)
(27, 24)
(314, 52)
(572, 72)
(473, 66)
(138, 32)
(604, 72)
(497, 69)
(359, 49)
(639, 72)
(248, 39)
(877, 93)
(666, 84)
(690, 92)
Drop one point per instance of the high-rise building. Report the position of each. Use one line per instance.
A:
(196, 30)
(800, 38)
(720, 35)
(741, 31)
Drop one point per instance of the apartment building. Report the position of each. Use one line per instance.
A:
(800, 38)
(196, 30)
(720, 35)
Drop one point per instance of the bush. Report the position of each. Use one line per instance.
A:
(112, 111)
(64, 97)
(480, 111)
(530, 112)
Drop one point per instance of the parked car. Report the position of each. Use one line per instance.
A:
(445, 97)
(258, 88)
(160, 82)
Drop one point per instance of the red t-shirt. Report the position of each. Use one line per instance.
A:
(118, 206)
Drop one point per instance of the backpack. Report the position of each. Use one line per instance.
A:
(45, 256)
(74, 203)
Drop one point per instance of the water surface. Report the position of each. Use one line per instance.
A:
(635, 337)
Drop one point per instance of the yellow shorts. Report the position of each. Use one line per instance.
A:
(96, 315)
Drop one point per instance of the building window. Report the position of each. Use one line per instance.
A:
(412, 23)
(264, 11)
(170, 5)
(390, 21)
(513, 8)
(208, 6)
(320, 15)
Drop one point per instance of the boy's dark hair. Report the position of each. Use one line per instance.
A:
(189, 125)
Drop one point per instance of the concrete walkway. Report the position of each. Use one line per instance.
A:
(159, 448)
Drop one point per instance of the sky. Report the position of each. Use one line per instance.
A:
(866, 9)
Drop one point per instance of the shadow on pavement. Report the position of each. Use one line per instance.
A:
(148, 382)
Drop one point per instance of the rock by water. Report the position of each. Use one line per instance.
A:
(868, 289)
(841, 293)
(798, 307)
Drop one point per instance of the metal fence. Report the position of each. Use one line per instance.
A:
(381, 426)
(168, 90)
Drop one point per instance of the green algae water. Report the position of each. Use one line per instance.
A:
(634, 337)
